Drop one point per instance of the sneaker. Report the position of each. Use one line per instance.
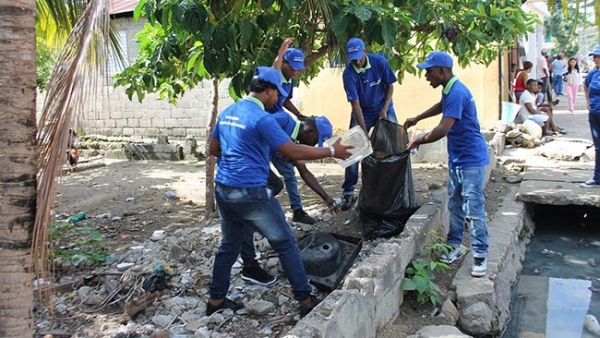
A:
(590, 184)
(301, 216)
(255, 274)
(479, 267)
(305, 309)
(452, 256)
(225, 304)
(347, 202)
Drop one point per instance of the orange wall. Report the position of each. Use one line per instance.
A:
(325, 96)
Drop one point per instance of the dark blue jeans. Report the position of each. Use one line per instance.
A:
(286, 169)
(557, 82)
(594, 120)
(242, 211)
(351, 174)
(465, 191)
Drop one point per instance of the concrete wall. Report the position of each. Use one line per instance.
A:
(113, 114)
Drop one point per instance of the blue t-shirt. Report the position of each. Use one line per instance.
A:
(288, 86)
(592, 82)
(369, 86)
(466, 145)
(289, 125)
(247, 135)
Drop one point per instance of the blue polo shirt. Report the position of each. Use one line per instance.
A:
(288, 86)
(289, 125)
(369, 84)
(466, 145)
(248, 136)
(592, 82)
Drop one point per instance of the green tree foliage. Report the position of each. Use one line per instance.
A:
(563, 29)
(185, 41)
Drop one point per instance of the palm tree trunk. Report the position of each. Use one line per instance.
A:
(18, 163)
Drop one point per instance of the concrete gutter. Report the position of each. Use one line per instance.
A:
(371, 295)
(484, 303)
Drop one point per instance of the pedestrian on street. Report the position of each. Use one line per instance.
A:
(290, 63)
(572, 82)
(467, 158)
(369, 85)
(543, 74)
(244, 137)
(312, 131)
(521, 80)
(591, 88)
(558, 70)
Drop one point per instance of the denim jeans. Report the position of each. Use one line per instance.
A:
(557, 81)
(242, 211)
(248, 253)
(286, 169)
(465, 191)
(594, 120)
(351, 174)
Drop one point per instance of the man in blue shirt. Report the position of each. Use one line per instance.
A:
(467, 158)
(244, 137)
(290, 62)
(591, 89)
(369, 85)
(312, 131)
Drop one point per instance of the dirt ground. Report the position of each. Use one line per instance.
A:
(128, 200)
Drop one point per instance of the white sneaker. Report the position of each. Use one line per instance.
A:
(452, 256)
(590, 184)
(479, 267)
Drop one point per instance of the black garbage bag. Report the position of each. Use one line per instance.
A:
(387, 198)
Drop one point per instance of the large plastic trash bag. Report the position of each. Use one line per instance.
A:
(387, 198)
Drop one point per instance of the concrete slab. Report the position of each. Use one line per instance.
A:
(557, 175)
(557, 193)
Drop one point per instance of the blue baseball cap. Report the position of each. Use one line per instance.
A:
(436, 59)
(269, 74)
(355, 49)
(595, 52)
(324, 129)
(295, 57)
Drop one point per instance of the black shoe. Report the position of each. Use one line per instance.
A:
(255, 274)
(301, 216)
(225, 304)
(347, 202)
(305, 309)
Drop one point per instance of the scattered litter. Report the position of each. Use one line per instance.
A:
(346, 222)
(77, 217)
(130, 199)
(124, 266)
(170, 195)
(158, 235)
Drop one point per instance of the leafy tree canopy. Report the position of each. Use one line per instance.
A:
(186, 41)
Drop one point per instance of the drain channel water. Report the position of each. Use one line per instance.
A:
(560, 281)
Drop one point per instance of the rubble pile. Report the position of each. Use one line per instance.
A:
(161, 287)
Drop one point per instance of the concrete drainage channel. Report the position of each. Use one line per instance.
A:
(371, 294)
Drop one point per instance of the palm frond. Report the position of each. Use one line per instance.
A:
(75, 78)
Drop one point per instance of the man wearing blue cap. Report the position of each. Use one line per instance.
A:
(244, 137)
(591, 88)
(467, 158)
(290, 62)
(369, 85)
(312, 131)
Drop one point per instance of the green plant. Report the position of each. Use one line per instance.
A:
(420, 275)
(77, 243)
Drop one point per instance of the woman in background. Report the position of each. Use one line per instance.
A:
(572, 82)
(522, 78)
